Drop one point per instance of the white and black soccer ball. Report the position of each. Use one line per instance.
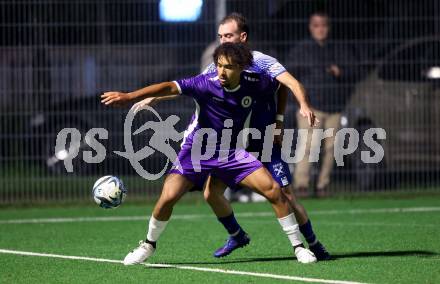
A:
(109, 192)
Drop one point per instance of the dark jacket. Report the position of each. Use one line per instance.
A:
(309, 62)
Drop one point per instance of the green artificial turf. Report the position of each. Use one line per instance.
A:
(369, 244)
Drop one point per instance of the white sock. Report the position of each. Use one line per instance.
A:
(155, 228)
(291, 228)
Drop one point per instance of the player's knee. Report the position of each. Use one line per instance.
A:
(273, 194)
(288, 194)
(169, 197)
(165, 204)
(212, 197)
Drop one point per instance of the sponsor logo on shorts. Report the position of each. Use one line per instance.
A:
(278, 169)
(284, 181)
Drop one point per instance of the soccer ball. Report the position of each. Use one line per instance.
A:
(109, 192)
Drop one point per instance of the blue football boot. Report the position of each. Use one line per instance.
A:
(232, 244)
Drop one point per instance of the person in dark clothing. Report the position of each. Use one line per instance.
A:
(326, 70)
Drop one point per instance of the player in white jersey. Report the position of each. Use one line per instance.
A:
(261, 63)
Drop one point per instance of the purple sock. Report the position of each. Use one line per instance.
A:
(307, 231)
(231, 225)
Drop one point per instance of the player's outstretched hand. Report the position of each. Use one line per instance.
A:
(145, 102)
(115, 98)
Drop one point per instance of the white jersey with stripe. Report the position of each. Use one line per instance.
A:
(262, 63)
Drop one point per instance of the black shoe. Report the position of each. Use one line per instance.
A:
(320, 252)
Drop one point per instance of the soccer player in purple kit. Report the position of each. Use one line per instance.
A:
(224, 100)
(233, 28)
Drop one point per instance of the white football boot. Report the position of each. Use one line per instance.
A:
(304, 255)
(139, 254)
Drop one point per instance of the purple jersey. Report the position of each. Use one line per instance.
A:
(215, 104)
(264, 114)
(265, 64)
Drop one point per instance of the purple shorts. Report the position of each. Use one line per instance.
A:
(232, 168)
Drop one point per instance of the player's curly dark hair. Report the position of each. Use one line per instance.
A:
(238, 53)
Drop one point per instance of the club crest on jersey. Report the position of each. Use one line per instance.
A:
(246, 101)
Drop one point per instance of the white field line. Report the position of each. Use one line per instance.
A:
(195, 268)
(199, 216)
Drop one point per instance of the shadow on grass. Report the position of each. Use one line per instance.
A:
(416, 253)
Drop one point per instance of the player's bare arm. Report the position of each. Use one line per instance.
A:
(154, 100)
(157, 90)
(299, 92)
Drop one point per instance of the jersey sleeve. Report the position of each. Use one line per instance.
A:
(193, 87)
(268, 64)
(210, 69)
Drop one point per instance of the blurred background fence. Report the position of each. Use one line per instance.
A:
(57, 56)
